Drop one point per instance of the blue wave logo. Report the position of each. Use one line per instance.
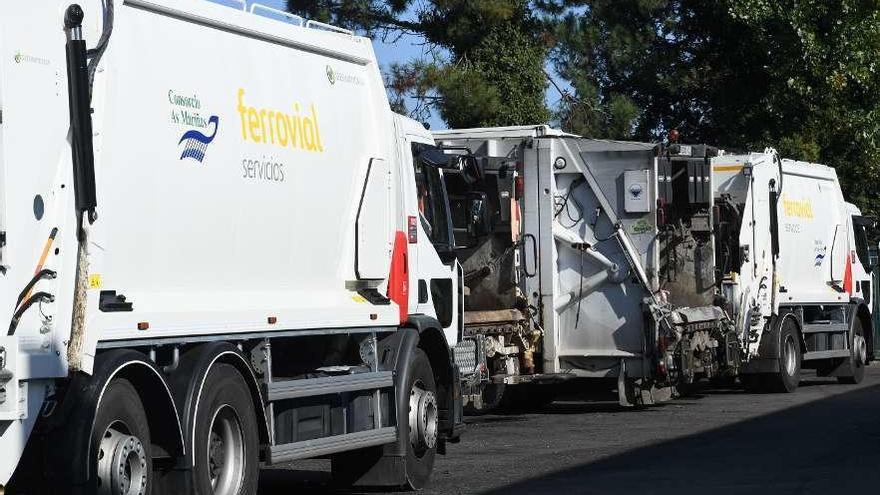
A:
(196, 144)
(819, 259)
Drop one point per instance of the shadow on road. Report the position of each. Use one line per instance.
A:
(301, 482)
(827, 446)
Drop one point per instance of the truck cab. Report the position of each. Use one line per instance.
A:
(436, 277)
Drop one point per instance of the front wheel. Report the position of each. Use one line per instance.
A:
(418, 427)
(858, 356)
(422, 422)
(226, 439)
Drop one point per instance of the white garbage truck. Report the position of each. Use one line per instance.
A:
(219, 249)
(649, 267)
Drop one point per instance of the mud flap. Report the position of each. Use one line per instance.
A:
(625, 389)
(631, 393)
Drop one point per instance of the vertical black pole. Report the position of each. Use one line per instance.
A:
(80, 113)
(774, 219)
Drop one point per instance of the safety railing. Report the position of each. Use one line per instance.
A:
(283, 16)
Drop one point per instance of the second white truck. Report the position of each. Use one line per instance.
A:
(654, 266)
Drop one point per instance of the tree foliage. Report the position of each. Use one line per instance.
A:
(798, 75)
(487, 63)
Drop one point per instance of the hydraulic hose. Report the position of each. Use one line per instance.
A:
(38, 297)
(95, 54)
(44, 273)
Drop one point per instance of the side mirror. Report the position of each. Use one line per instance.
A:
(465, 165)
(478, 214)
(469, 169)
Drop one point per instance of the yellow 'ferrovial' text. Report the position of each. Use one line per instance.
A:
(286, 130)
(799, 209)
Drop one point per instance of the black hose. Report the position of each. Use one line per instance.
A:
(38, 297)
(44, 273)
(95, 54)
(562, 202)
(779, 163)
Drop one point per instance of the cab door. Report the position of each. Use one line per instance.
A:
(436, 278)
(860, 257)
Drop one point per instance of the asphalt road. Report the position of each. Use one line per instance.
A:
(825, 438)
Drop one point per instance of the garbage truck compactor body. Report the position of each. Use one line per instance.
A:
(652, 266)
(210, 254)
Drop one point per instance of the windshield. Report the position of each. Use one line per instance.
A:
(862, 247)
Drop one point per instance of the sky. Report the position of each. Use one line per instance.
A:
(394, 50)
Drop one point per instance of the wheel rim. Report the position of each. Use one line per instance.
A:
(226, 462)
(790, 356)
(122, 462)
(860, 350)
(422, 418)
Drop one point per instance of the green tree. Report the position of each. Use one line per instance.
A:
(799, 75)
(487, 63)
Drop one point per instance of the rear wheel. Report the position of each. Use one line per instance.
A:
(226, 440)
(789, 375)
(121, 443)
(858, 356)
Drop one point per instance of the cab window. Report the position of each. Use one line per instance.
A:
(432, 202)
(861, 235)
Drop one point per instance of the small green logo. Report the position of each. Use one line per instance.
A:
(331, 75)
(641, 226)
(18, 57)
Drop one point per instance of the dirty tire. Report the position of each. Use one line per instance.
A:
(121, 415)
(419, 458)
(856, 372)
(226, 439)
(788, 377)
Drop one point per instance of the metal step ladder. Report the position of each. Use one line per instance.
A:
(829, 328)
(279, 389)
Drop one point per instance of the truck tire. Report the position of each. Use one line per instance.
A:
(123, 462)
(789, 376)
(226, 440)
(857, 356)
(422, 427)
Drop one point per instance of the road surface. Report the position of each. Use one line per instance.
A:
(825, 438)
